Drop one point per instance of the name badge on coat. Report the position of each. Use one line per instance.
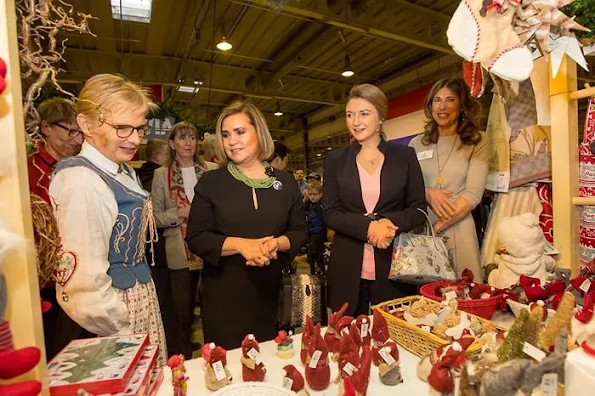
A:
(423, 155)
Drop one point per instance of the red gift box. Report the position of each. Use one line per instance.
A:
(139, 382)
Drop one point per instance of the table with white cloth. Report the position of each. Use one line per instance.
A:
(274, 375)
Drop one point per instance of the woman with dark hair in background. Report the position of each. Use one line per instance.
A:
(453, 154)
(372, 192)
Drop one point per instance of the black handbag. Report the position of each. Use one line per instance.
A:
(301, 295)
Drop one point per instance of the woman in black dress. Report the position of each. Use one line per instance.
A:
(245, 221)
(372, 192)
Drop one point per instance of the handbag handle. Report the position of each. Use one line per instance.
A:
(431, 227)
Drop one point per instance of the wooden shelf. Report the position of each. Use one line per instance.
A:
(583, 201)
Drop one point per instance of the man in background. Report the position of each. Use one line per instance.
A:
(156, 153)
(299, 177)
(280, 156)
(62, 138)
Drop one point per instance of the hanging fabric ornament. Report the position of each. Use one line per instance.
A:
(473, 75)
(485, 34)
(587, 187)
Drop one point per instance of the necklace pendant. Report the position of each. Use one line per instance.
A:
(439, 180)
(277, 185)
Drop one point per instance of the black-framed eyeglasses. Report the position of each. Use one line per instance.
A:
(124, 131)
(71, 132)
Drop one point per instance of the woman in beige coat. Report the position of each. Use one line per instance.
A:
(172, 194)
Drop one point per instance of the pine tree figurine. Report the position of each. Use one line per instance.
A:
(512, 347)
(560, 321)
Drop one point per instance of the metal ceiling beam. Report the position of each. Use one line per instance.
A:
(228, 90)
(321, 14)
(265, 73)
(422, 10)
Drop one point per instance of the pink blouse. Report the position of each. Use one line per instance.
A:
(370, 185)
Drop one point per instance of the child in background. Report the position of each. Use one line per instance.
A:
(316, 228)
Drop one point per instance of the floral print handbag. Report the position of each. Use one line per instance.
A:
(420, 258)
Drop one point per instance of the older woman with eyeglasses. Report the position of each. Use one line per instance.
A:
(103, 280)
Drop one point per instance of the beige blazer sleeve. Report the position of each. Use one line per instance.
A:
(165, 211)
(166, 216)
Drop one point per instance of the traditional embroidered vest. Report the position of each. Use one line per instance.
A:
(127, 242)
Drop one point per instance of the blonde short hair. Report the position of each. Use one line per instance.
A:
(106, 93)
(265, 141)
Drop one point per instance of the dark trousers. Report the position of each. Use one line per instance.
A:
(58, 328)
(184, 284)
(365, 295)
(316, 252)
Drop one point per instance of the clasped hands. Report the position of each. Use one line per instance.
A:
(381, 233)
(259, 252)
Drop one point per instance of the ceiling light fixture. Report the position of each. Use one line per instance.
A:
(278, 113)
(348, 71)
(224, 45)
(197, 82)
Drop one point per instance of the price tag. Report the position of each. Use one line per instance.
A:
(349, 368)
(345, 331)
(586, 285)
(219, 370)
(485, 295)
(253, 354)
(364, 330)
(533, 352)
(315, 358)
(549, 384)
(386, 356)
(451, 295)
(287, 383)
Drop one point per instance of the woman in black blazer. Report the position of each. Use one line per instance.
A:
(372, 192)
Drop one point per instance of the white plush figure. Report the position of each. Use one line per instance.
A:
(524, 243)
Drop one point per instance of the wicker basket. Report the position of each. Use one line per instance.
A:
(411, 337)
(253, 389)
(483, 307)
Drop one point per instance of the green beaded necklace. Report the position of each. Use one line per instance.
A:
(253, 183)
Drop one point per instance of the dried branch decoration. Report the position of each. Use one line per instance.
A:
(39, 49)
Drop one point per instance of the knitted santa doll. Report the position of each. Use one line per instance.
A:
(485, 35)
(355, 334)
(424, 367)
(348, 356)
(252, 367)
(217, 374)
(363, 325)
(294, 381)
(379, 334)
(306, 338)
(333, 335)
(356, 384)
(318, 372)
(441, 378)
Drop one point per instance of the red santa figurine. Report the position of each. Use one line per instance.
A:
(441, 378)
(252, 367)
(217, 375)
(318, 372)
(348, 356)
(306, 338)
(363, 325)
(333, 335)
(294, 381)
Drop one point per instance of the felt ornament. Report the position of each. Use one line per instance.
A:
(284, 342)
(512, 348)
(361, 376)
(534, 323)
(364, 327)
(296, 380)
(306, 338)
(217, 374)
(343, 325)
(489, 40)
(389, 370)
(556, 286)
(318, 372)
(179, 379)
(252, 367)
(578, 282)
(540, 310)
(333, 335)
(379, 335)
(583, 322)
(474, 77)
(348, 356)
(559, 322)
(355, 335)
(441, 379)
(425, 365)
